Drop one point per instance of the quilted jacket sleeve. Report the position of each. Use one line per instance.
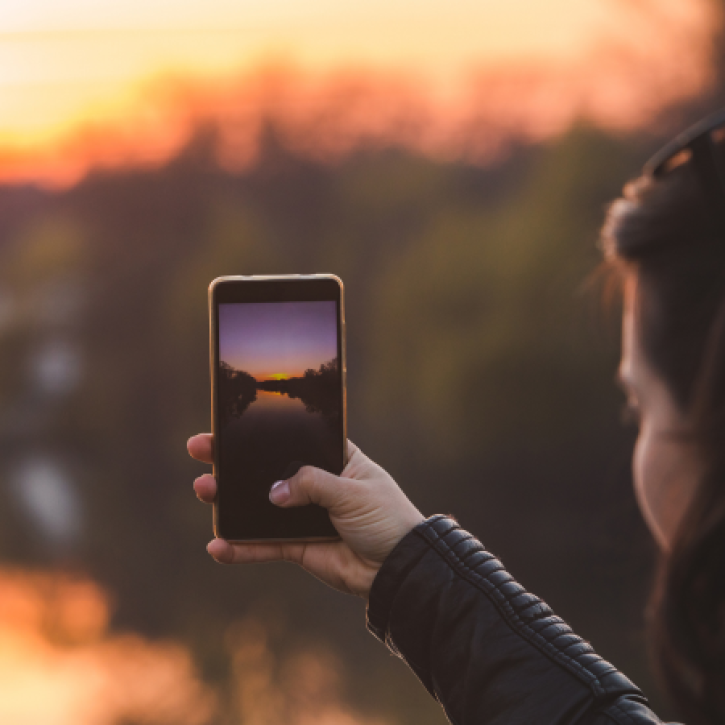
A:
(487, 650)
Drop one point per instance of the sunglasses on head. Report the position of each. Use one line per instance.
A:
(697, 145)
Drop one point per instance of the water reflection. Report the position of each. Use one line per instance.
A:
(275, 435)
(269, 429)
(318, 390)
(303, 687)
(60, 665)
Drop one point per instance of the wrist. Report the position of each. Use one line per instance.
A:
(413, 519)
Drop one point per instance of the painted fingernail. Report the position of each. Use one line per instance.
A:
(279, 492)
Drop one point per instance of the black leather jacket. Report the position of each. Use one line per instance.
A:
(486, 649)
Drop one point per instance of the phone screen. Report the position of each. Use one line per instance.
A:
(280, 405)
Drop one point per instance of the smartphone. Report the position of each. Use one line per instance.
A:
(278, 399)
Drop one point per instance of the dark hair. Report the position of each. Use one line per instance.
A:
(664, 234)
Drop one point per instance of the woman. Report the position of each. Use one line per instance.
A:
(486, 649)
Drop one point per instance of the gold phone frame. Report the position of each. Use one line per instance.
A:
(214, 363)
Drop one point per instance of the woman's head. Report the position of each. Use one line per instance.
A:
(666, 240)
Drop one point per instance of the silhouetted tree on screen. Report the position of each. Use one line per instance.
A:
(237, 391)
(319, 390)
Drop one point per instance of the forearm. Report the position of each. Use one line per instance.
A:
(485, 648)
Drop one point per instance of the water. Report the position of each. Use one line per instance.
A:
(270, 441)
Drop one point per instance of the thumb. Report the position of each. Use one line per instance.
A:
(309, 485)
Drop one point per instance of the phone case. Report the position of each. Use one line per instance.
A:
(213, 365)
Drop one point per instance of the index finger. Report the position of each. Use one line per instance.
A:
(201, 447)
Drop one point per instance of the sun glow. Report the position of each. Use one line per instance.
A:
(111, 84)
(278, 376)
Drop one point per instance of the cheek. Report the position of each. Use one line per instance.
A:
(649, 470)
(665, 477)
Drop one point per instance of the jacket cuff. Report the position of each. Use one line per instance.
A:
(407, 553)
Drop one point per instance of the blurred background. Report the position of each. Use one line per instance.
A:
(452, 163)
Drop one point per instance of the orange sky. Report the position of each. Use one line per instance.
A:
(85, 82)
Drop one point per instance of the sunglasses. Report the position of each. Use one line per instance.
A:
(698, 145)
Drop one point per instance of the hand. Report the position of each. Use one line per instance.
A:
(366, 506)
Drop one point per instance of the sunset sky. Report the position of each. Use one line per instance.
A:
(61, 63)
(69, 65)
(277, 339)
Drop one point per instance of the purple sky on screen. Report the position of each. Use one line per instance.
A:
(268, 338)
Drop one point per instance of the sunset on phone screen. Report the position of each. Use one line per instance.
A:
(271, 423)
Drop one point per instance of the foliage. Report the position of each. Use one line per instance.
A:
(477, 375)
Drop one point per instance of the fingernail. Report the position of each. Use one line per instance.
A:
(279, 492)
